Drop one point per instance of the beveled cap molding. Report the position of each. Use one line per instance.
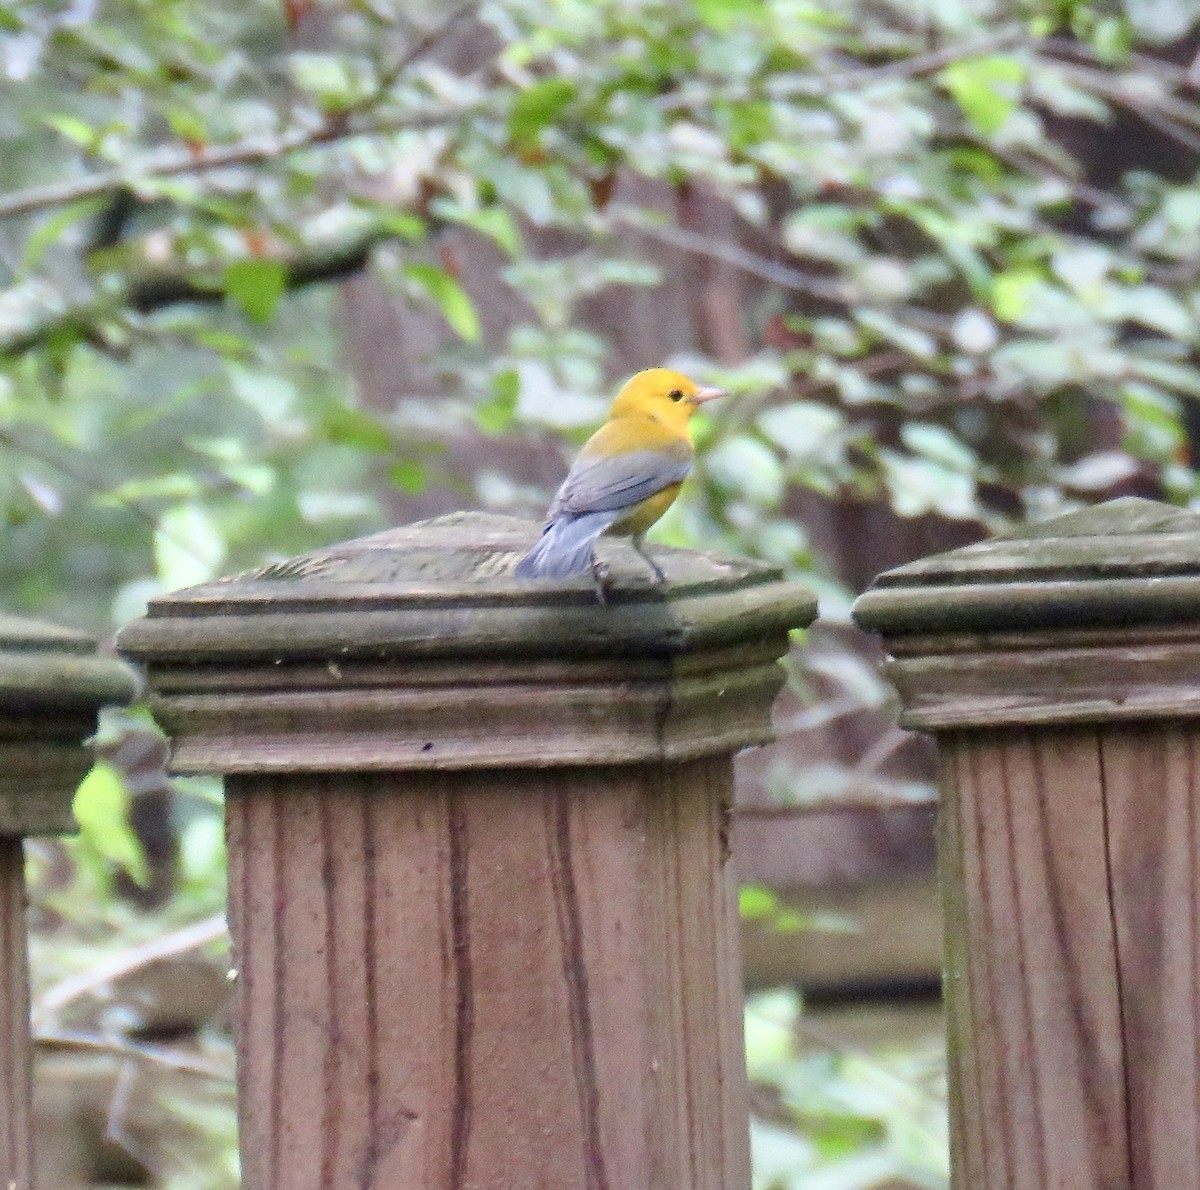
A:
(44, 666)
(1088, 617)
(1129, 562)
(52, 686)
(416, 648)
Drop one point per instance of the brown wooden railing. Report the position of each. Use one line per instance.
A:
(484, 926)
(52, 686)
(484, 929)
(1060, 673)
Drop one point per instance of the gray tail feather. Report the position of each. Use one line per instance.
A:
(566, 547)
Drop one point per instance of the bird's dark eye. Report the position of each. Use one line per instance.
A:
(676, 394)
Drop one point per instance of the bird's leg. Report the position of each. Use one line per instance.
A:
(660, 575)
(600, 578)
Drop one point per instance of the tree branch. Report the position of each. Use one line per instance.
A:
(823, 85)
(169, 163)
(154, 291)
(166, 1057)
(165, 946)
(254, 150)
(825, 289)
(915, 66)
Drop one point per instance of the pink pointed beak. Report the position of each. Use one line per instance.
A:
(708, 394)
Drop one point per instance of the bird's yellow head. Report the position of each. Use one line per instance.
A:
(665, 396)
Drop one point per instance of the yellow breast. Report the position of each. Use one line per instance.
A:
(643, 515)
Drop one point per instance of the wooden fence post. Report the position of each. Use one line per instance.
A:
(484, 929)
(52, 685)
(1060, 672)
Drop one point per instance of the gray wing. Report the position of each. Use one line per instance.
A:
(608, 482)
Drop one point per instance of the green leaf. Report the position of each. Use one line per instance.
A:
(352, 427)
(402, 224)
(202, 851)
(745, 465)
(449, 297)
(494, 222)
(256, 286)
(78, 131)
(329, 77)
(496, 416)
(939, 445)
(755, 901)
(750, 124)
(1177, 377)
(723, 15)
(770, 1036)
(188, 546)
(539, 106)
(1011, 292)
(986, 89)
(187, 125)
(803, 427)
(409, 476)
(50, 230)
(1112, 39)
(223, 342)
(841, 1134)
(102, 809)
(792, 921)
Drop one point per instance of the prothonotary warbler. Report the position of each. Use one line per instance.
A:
(625, 477)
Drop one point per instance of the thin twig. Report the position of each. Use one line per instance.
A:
(828, 1037)
(191, 937)
(852, 800)
(1082, 192)
(166, 1057)
(1113, 87)
(823, 713)
(97, 488)
(424, 44)
(1175, 76)
(822, 86)
(1172, 128)
(115, 1131)
(915, 66)
(786, 277)
(258, 150)
(885, 746)
(747, 262)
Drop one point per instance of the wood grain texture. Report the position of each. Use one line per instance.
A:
(16, 1138)
(1070, 885)
(1152, 783)
(483, 981)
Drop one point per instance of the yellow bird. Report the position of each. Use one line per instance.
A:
(625, 477)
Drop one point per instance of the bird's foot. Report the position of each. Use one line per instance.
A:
(660, 575)
(600, 579)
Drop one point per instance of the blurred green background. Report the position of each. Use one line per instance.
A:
(277, 273)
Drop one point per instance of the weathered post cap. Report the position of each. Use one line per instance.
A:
(416, 648)
(1090, 616)
(52, 686)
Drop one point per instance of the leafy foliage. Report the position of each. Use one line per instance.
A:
(946, 299)
(961, 241)
(843, 1115)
